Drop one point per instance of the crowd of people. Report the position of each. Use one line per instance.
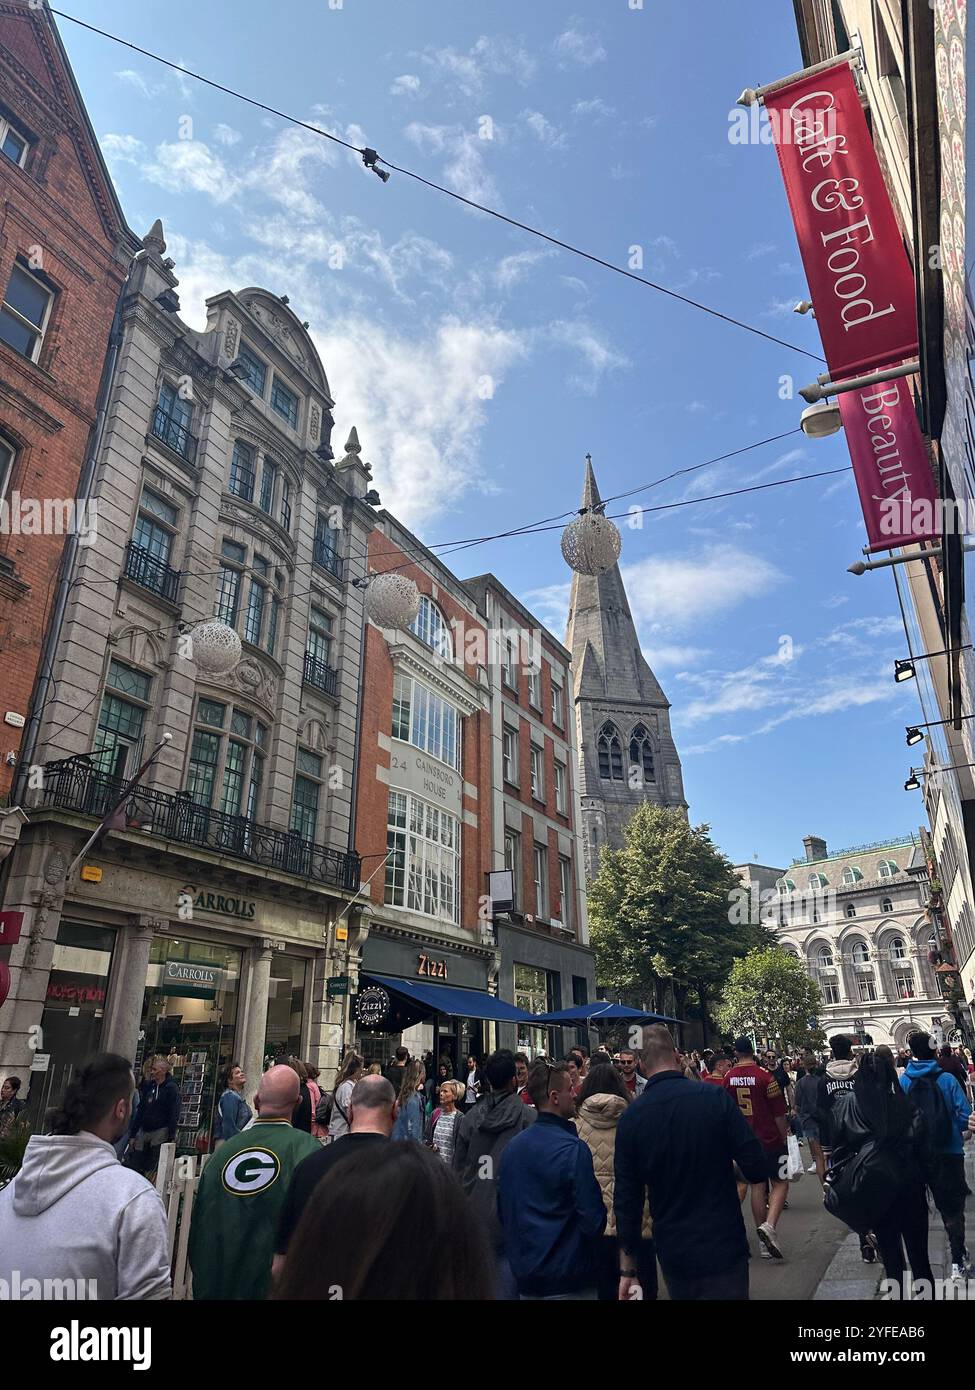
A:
(521, 1179)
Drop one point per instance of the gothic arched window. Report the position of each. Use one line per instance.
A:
(610, 754)
(641, 752)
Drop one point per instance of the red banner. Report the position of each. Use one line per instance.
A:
(10, 925)
(890, 464)
(859, 275)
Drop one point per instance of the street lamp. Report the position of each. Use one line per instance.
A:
(819, 420)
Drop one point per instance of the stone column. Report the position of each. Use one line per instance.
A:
(124, 1013)
(255, 1024)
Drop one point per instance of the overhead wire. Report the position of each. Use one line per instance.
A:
(447, 192)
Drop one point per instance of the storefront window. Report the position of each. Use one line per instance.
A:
(533, 994)
(190, 1016)
(285, 1007)
(71, 1024)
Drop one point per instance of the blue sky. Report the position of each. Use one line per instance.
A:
(481, 365)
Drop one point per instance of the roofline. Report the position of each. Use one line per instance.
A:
(490, 580)
(125, 230)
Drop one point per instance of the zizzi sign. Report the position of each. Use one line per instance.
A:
(433, 969)
(218, 902)
(860, 280)
(372, 1006)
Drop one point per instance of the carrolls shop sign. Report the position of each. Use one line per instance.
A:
(193, 900)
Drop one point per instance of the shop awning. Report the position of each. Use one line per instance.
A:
(456, 1003)
(601, 1011)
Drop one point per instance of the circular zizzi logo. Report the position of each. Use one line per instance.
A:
(371, 1006)
(250, 1171)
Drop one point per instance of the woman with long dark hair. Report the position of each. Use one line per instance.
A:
(232, 1109)
(877, 1111)
(601, 1101)
(394, 1225)
(409, 1121)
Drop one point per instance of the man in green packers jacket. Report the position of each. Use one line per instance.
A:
(241, 1192)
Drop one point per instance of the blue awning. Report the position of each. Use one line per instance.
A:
(456, 1003)
(601, 1011)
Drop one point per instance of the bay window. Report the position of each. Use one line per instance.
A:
(423, 870)
(426, 720)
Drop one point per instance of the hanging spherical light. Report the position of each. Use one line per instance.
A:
(392, 600)
(216, 648)
(591, 543)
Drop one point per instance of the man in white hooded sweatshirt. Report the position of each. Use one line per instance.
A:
(74, 1213)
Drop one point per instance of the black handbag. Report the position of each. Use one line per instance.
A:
(861, 1189)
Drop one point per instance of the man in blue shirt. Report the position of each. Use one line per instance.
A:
(679, 1141)
(549, 1201)
(948, 1110)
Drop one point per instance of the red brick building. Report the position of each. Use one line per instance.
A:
(64, 253)
(424, 799)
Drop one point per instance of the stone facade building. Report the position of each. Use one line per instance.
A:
(203, 927)
(64, 251)
(857, 920)
(627, 752)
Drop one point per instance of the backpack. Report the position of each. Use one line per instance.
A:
(930, 1102)
(323, 1110)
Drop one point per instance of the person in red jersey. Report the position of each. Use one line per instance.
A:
(763, 1105)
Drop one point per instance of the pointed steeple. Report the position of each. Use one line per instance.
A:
(601, 634)
(154, 241)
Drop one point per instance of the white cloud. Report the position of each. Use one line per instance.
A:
(122, 149)
(759, 249)
(513, 269)
(676, 591)
(594, 106)
(670, 656)
(463, 152)
(226, 135)
(469, 71)
(543, 129)
(136, 80)
(185, 166)
(551, 604)
(573, 46)
(285, 172)
(423, 442)
(406, 86)
(598, 354)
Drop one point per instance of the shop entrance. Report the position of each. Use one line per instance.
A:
(71, 1024)
(189, 1015)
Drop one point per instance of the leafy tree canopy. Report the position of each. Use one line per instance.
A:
(769, 995)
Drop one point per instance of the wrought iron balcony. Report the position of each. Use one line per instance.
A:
(148, 571)
(322, 677)
(76, 784)
(173, 434)
(326, 558)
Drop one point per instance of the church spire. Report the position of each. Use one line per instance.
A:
(626, 750)
(601, 633)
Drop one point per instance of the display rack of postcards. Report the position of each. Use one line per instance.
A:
(191, 1090)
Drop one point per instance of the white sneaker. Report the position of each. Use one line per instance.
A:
(811, 1168)
(767, 1236)
(765, 1254)
(958, 1275)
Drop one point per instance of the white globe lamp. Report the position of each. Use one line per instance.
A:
(591, 544)
(392, 600)
(216, 647)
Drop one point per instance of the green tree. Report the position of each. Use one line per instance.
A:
(770, 996)
(659, 910)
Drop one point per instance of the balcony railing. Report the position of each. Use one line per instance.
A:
(326, 558)
(148, 571)
(173, 434)
(322, 677)
(75, 784)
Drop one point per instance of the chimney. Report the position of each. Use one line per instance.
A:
(815, 848)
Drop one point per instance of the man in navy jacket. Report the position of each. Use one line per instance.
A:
(549, 1202)
(680, 1141)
